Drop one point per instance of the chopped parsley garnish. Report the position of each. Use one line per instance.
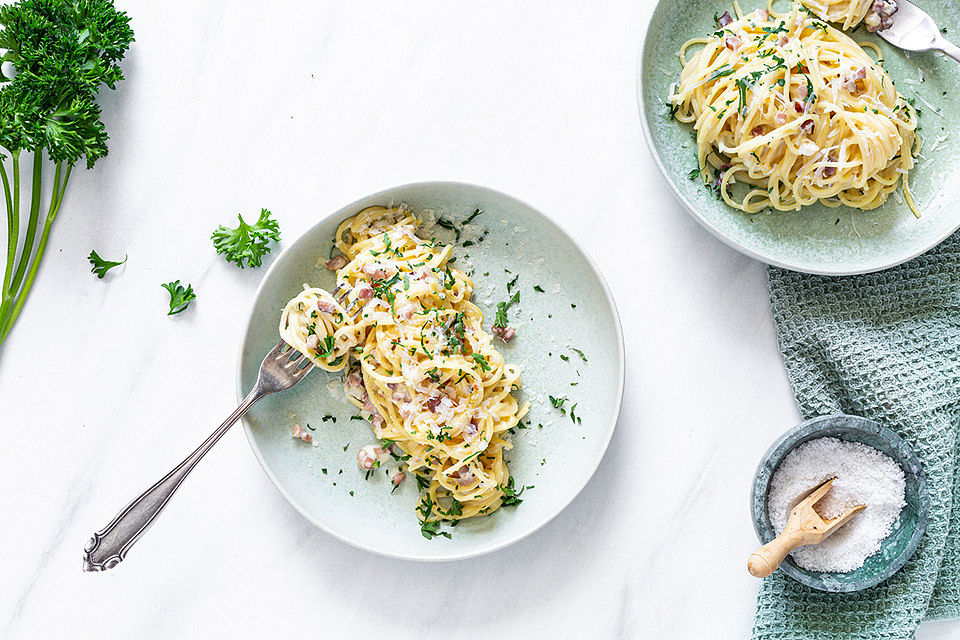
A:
(502, 308)
(422, 483)
(742, 92)
(558, 403)
(511, 497)
(538, 288)
(721, 72)
(430, 530)
(325, 350)
(480, 360)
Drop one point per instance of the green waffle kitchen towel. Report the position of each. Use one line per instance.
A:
(885, 346)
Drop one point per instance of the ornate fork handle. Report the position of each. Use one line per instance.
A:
(108, 547)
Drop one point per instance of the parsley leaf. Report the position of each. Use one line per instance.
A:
(502, 307)
(480, 360)
(430, 530)
(180, 297)
(423, 483)
(511, 497)
(248, 242)
(101, 266)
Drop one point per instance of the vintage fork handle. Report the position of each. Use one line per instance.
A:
(947, 47)
(108, 547)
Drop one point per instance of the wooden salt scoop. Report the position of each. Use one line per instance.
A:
(804, 526)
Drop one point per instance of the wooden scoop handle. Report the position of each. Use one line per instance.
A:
(767, 558)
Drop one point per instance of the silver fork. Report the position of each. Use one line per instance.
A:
(282, 368)
(914, 30)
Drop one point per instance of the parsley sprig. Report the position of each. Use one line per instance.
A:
(502, 307)
(247, 243)
(180, 297)
(61, 53)
(101, 266)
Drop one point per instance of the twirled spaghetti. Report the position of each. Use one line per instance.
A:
(875, 14)
(417, 358)
(797, 111)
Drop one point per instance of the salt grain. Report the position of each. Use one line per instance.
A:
(863, 476)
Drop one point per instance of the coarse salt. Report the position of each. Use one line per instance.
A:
(862, 475)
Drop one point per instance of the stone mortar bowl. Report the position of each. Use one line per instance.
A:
(908, 530)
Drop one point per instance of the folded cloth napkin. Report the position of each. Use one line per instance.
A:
(885, 346)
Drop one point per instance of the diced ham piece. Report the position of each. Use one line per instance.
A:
(850, 80)
(763, 14)
(398, 477)
(802, 91)
(733, 42)
(780, 118)
(325, 306)
(829, 172)
(725, 19)
(354, 386)
(464, 476)
(783, 41)
(758, 131)
(799, 107)
(807, 126)
(301, 434)
(313, 342)
(880, 15)
(364, 291)
(471, 430)
(368, 456)
(368, 405)
(432, 404)
(337, 262)
(505, 333)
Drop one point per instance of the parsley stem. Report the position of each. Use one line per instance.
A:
(16, 210)
(56, 198)
(32, 222)
(13, 239)
(12, 229)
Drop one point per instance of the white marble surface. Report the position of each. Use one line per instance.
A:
(302, 107)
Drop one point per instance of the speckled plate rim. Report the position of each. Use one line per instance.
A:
(787, 441)
(717, 233)
(481, 549)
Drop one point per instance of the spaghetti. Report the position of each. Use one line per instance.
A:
(417, 359)
(797, 111)
(875, 14)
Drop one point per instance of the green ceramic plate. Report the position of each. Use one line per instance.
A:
(575, 310)
(817, 239)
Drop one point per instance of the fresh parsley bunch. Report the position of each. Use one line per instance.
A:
(61, 53)
(248, 242)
